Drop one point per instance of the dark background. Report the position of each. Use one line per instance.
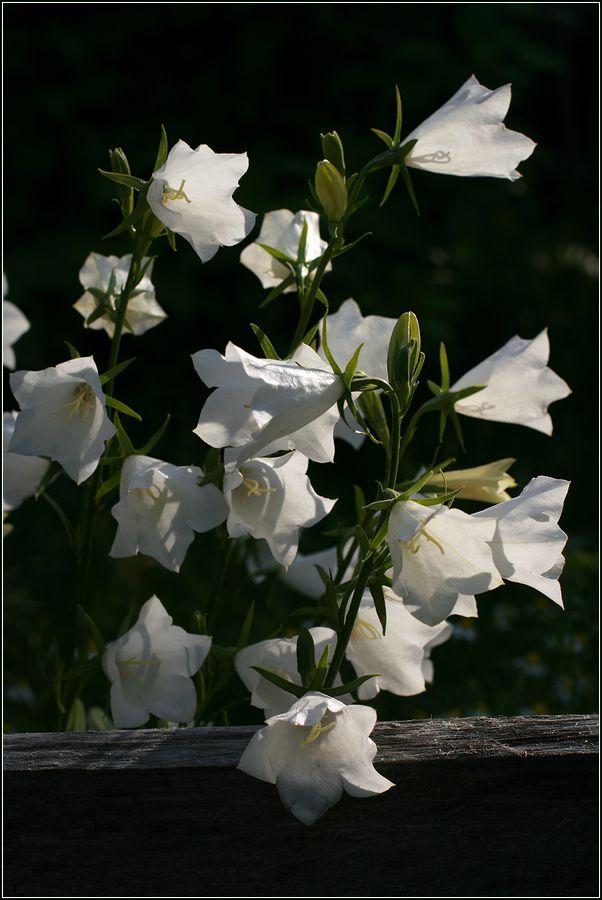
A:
(487, 259)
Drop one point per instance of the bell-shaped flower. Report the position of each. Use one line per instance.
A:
(438, 554)
(279, 655)
(401, 656)
(62, 416)
(192, 195)
(528, 543)
(109, 275)
(14, 325)
(160, 507)
(313, 752)
(281, 229)
(519, 385)
(487, 483)
(21, 474)
(266, 405)
(466, 136)
(348, 328)
(272, 498)
(151, 667)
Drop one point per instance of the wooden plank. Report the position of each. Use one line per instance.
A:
(489, 807)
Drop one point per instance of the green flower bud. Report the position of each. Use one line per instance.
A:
(332, 148)
(331, 191)
(403, 356)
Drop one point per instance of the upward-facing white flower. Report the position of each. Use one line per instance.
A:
(143, 311)
(272, 498)
(160, 508)
(519, 385)
(151, 667)
(466, 136)
(281, 229)
(21, 475)
(527, 544)
(192, 195)
(313, 752)
(62, 416)
(14, 325)
(265, 405)
(439, 554)
(401, 657)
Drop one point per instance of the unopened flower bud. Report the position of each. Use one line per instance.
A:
(331, 191)
(332, 148)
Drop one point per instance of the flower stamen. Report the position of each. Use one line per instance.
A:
(170, 193)
(253, 488)
(315, 733)
(81, 402)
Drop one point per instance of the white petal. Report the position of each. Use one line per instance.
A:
(398, 657)
(528, 543)
(520, 386)
(347, 329)
(466, 136)
(273, 502)
(51, 425)
(282, 229)
(14, 325)
(205, 214)
(438, 554)
(21, 474)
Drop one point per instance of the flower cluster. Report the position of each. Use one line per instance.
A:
(412, 557)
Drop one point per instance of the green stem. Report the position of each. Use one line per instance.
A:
(395, 442)
(343, 638)
(310, 300)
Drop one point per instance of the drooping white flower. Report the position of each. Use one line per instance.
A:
(265, 405)
(528, 543)
(466, 136)
(279, 655)
(401, 657)
(62, 416)
(14, 325)
(151, 667)
(281, 229)
(160, 508)
(102, 272)
(21, 474)
(438, 554)
(519, 385)
(348, 328)
(313, 752)
(192, 195)
(272, 498)
(487, 483)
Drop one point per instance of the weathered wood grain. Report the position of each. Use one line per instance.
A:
(485, 807)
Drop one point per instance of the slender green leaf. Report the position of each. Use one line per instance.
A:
(162, 151)
(278, 290)
(134, 217)
(379, 605)
(393, 176)
(306, 656)
(128, 180)
(116, 370)
(265, 342)
(245, 631)
(296, 689)
(410, 189)
(443, 362)
(155, 438)
(387, 139)
(75, 354)
(350, 686)
(277, 254)
(107, 486)
(122, 408)
(126, 444)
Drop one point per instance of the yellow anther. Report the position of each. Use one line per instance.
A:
(82, 401)
(170, 194)
(253, 488)
(315, 733)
